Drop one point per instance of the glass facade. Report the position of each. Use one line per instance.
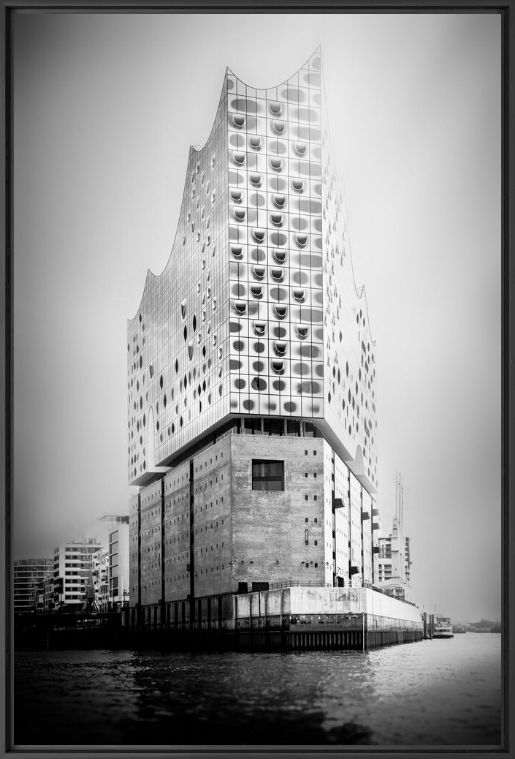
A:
(256, 312)
(29, 577)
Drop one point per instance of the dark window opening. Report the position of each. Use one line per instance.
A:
(292, 427)
(267, 475)
(309, 430)
(273, 426)
(253, 424)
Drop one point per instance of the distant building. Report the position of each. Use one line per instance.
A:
(251, 369)
(118, 559)
(393, 560)
(100, 580)
(28, 574)
(45, 595)
(385, 562)
(74, 564)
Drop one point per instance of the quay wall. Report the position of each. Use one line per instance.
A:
(299, 618)
(324, 606)
(281, 609)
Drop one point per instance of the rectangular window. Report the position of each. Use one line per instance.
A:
(267, 475)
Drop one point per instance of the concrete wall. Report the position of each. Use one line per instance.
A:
(241, 535)
(264, 603)
(350, 601)
(133, 549)
(299, 601)
(151, 513)
(212, 518)
(177, 532)
(341, 520)
(278, 536)
(368, 536)
(297, 609)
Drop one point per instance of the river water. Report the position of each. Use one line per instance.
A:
(431, 693)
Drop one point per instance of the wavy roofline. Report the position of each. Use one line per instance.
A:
(317, 51)
(360, 291)
(192, 150)
(150, 276)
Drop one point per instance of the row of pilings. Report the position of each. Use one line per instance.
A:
(333, 640)
(277, 640)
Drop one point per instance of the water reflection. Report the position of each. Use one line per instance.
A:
(428, 693)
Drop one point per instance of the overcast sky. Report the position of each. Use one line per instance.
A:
(105, 108)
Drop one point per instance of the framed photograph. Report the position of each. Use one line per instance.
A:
(258, 361)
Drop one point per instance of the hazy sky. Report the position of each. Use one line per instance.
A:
(105, 108)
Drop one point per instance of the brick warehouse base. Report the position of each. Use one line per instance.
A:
(207, 527)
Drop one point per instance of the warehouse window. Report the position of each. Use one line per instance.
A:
(267, 475)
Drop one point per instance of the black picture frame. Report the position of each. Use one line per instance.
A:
(505, 9)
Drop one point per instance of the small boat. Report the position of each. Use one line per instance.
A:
(443, 628)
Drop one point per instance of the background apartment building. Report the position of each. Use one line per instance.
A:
(29, 574)
(84, 574)
(385, 561)
(393, 559)
(118, 559)
(75, 563)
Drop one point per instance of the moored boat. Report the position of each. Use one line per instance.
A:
(443, 628)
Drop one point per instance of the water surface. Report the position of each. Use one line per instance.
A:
(439, 692)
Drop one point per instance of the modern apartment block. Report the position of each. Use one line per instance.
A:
(76, 566)
(45, 594)
(29, 574)
(393, 560)
(387, 562)
(251, 368)
(97, 586)
(118, 559)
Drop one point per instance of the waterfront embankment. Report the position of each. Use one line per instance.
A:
(290, 618)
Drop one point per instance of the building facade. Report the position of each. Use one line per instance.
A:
(75, 563)
(393, 559)
(251, 368)
(29, 575)
(97, 588)
(45, 594)
(118, 559)
(388, 564)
